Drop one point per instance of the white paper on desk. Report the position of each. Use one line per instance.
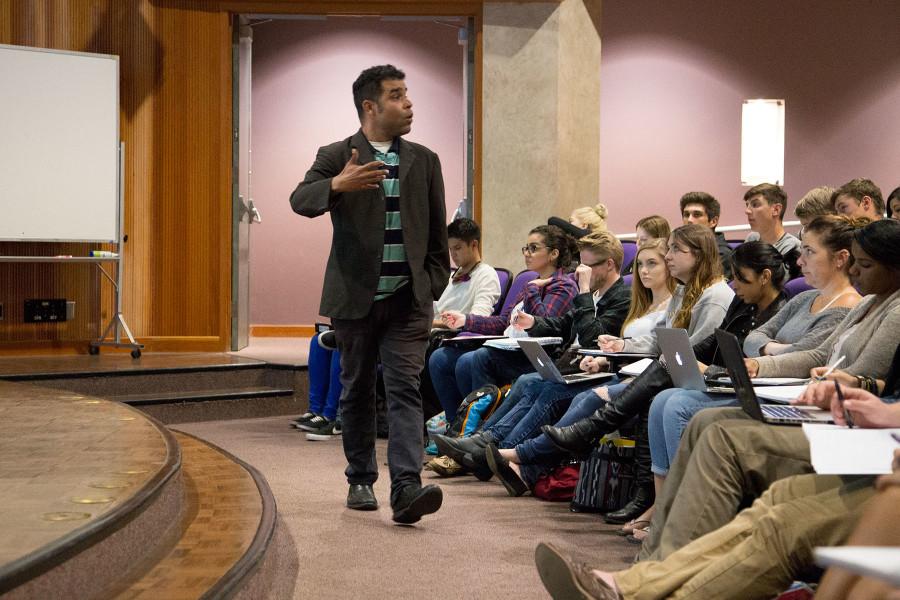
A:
(636, 368)
(880, 562)
(780, 381)
(782, 394)
(837, 450)
(512, 344)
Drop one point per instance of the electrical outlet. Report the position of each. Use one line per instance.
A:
(70, 310)
(1, 311)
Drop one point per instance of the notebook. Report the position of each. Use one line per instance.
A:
(512, 343)
(767, 413)
(545, 367)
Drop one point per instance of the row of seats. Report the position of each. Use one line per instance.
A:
(510, 287)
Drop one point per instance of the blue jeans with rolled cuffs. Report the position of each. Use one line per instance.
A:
(670, 413)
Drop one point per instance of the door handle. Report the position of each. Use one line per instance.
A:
(255, 217)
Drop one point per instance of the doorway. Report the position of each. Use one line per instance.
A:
(292, 94)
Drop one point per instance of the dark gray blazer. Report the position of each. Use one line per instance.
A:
(357, 219)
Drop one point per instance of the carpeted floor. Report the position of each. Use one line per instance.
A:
(278, 350)
(479, 545)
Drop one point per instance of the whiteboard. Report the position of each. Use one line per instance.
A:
(59, 145)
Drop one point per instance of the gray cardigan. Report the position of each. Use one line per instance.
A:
(795, 325)
(706, 315)
(868, 349)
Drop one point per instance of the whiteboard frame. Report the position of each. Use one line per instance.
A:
(120, 201)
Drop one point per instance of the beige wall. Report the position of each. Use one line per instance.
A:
(541, 129)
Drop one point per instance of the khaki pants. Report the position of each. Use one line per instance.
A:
(760, 551)
(725, 460)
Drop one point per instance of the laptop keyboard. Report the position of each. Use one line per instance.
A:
(785, 412)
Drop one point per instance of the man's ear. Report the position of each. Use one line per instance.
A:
(368, 107)
(713, 223)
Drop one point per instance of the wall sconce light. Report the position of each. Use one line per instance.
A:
(762, 142)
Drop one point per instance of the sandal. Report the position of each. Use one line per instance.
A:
(639, 535)
(630, 527)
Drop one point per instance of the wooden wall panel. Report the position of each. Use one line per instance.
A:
(175, 93)
(175, 71)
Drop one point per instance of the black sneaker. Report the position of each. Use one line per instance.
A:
(329, 431)
(327, 341)
(304, 418)
(313, 424)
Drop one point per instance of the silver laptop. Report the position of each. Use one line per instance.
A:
(681, 362)
(767, 413)
(545, 367)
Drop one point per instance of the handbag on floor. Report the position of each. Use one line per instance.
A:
(558, 485)
(606, 479)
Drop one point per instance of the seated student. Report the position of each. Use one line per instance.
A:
(700, 208)
(815, 203)
(532, 401)
(703, 296)
(726, 457)
(802, 324)
(893, 204)
(859, 198)
(765, 547)
(765, 205)
(474, 288)
(551, 294)
(590, 218)
(648, 228)
(879, 525)
(600, 307)
(810, 316)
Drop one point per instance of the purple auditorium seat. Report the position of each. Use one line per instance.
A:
(630, 248)
(734, 243)
(626, 279)
(505, 278)
(795, 286)
(518, 283)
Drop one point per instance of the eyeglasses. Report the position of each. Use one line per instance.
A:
(532, 248)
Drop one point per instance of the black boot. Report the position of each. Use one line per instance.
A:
(645, 492)
(581, 437)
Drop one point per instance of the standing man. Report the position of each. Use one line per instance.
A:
(388, 263)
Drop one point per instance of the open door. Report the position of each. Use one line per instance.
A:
(244, 213)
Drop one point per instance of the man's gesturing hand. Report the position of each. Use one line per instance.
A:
(356, 177)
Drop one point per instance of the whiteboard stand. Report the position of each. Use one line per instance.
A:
(117, 324)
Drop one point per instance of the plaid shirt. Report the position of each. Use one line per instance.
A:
(552, 300)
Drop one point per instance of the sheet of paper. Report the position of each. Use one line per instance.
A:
(836, 450)
(792, 381)
(512, 344)
(593, 352)
(779, 393)
(880, 562)
(636, 368)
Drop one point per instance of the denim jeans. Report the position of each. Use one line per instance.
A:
(670, 413)
(539, 453)
(520, 388)
(489, 365)
(324, 380)
(543, 403)
(442, 370)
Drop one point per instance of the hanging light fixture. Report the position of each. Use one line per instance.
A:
(762, 142)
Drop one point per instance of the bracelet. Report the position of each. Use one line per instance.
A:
(859, 381)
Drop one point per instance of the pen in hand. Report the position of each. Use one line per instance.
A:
(831, 368)
(840, 396)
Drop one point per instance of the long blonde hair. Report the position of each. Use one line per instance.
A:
(702, 243)
(593, 217)
(642, 296)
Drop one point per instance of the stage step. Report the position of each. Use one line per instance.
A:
(229, 524)
(139, 400)
(100, 501)
(174, 388)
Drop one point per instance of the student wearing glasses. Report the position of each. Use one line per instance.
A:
(547, 250)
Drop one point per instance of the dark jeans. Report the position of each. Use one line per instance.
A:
(397, 331)
(489, 365)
